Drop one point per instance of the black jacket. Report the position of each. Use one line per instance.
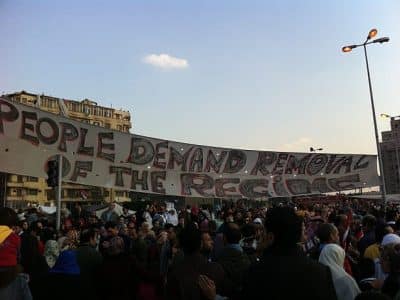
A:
(288, 274)
(235, 264)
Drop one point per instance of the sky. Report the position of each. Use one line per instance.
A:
(261, 75)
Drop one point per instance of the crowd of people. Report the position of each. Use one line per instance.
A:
(343, 250)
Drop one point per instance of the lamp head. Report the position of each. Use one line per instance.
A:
(372, 33)
(348, 48)
(381, 40)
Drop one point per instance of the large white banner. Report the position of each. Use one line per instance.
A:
(102, 157)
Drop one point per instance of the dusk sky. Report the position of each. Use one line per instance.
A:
(262, 75)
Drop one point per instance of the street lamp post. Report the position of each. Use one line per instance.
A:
(372, 34)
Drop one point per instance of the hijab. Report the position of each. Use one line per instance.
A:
(66, 263)
(51, 252)
(333, 256)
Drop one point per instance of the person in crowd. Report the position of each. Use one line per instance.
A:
(392, 217)
(367, 274)
(112, 231)
(160, 217)
(166, 248)
(172, 217)
(110, 215)
(24, 227)
(138, 246)
(116, 277)
(207, 245)
(182, 282)
(373, 251)
(51, 252)
(368, 228)
(148, 216)
(333, 256)
(63, 280)
(380, 273)
(126, 214)
(36, 229)
(88, 258)
(343, 223)
(77, 212)
(33, 262)
(232, 258)
(13, 284)
(249, 242)
(390, 261)
(327, 233)
(284, 272)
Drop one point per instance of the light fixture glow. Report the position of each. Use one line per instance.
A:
(346, 49)
(372, 33)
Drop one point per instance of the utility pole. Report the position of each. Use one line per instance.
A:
(59, 189)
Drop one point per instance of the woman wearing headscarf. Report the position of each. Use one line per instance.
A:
(51, 252)
(63, 281)
(346, 287)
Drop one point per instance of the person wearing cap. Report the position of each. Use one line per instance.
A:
(388, 239)
(257, 221)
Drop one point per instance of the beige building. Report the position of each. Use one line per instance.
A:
(20, 190)
(390, 148)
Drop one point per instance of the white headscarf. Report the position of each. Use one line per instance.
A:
(346, 287)
(390, 238)
(51, 252)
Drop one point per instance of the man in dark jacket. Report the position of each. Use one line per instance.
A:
(183, 281)
(368, 228)
(232, 258)
(89, 260)
(284, 272)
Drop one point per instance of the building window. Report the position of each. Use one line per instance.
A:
(50, 195)
(119, 127)
(32, 192)
(108, 125)
(86, 110)
(32, 179)
(20, 179)
(72, 193)
(106, 193)
(119, 193)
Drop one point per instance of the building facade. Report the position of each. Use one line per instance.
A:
(20, 190)
(390, 156)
